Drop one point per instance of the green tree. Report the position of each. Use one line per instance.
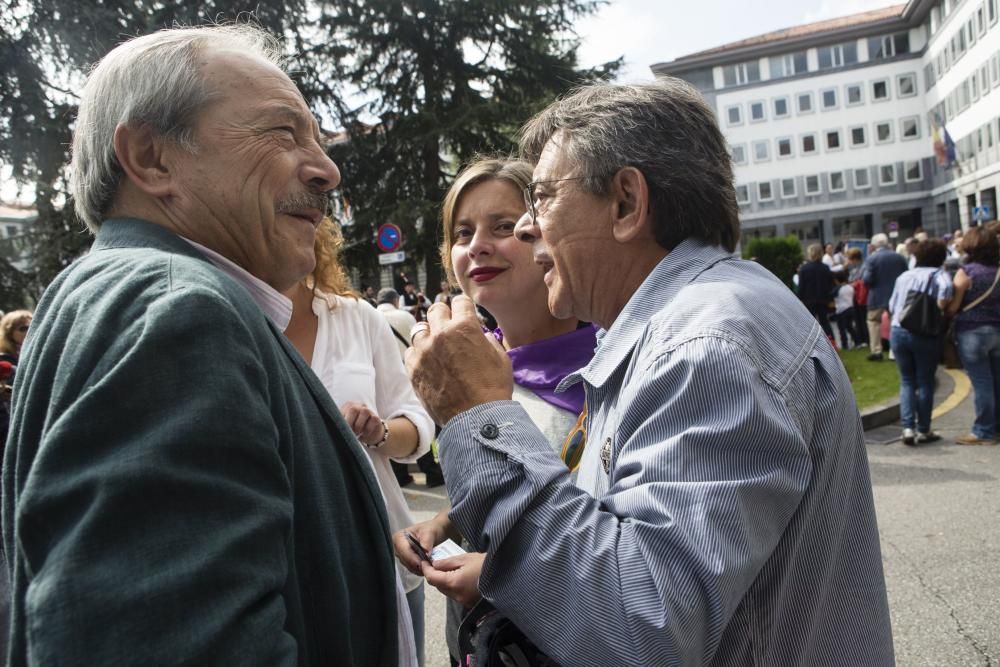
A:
(781, 255)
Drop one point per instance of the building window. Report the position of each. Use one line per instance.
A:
(740, 153)
(862, 179)
(761, 150)
(981, 20)
(805, 102)
(880, 90)
(912, 172)
(855, 94)
(970, 31)
(973, 82)
(812, 185)
(991, 11)
(888, 46)
(909, 128)
(828, 98)
(764, 191)
(11, 230)
(740, 74)
(787, 188)
(784, 147)
(833, 140)
(836, 181)
(995, 70)
(734, 115)
(742, 194)
(837, 55)
(887, 174)
(780, 107)
(929, 77)
(808, 144)
(906, 84)
(984, 79)
(883, 132)
(756, 112)
(788, 64)
(858, 136)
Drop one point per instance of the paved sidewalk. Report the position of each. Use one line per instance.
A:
(939, 518)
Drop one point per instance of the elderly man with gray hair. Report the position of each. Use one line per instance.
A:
(178, 486)
(881, 269)
(722, 513)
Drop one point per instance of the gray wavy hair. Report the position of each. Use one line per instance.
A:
(152, 80)
(664, 129)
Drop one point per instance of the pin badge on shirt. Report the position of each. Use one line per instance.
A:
(606, 456)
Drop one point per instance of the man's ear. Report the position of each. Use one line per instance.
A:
(140, 152)
(631, 194)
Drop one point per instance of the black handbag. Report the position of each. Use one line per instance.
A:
(921, 314)
(487, 638)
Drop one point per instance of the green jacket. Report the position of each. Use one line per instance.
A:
(178, 487)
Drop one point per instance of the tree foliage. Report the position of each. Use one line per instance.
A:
(781, 255)
(419, 85)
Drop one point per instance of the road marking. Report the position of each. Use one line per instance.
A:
(426, 494)
(958, 394)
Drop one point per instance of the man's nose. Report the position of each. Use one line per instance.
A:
(321, 173)
(526, 230)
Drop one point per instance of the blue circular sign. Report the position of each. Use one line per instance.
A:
(389, 237)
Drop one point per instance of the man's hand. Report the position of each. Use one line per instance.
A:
(457, 577)
(429, 533)
(363, 422)
(453, 366)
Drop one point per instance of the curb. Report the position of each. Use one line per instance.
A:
(888, 412)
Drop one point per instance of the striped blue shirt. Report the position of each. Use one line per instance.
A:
(723, 512)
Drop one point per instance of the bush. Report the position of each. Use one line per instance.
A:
(780, 255)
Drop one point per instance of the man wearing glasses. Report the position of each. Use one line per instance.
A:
(723, 513)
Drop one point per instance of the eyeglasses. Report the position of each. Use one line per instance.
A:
(529, 192)
(576, 441)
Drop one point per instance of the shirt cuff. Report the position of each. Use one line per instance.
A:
(496, 461)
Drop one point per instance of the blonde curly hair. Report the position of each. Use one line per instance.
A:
(329, 276)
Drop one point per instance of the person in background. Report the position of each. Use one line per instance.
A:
(722, 513)
(368, 294)
(415, 302)
(816, 287)
(444, 295)
(828, 255)
(178, 488)
(881, 269)
(844, 311)
(917, 355)
(402, 323)
(480, 253)
(976, 307)
(400, 320)
(13, 329)
(353, 353)
(855, 265)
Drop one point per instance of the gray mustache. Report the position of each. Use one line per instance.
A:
(302, 200)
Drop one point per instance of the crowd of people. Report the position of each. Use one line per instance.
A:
(958, 274)
(651, 449)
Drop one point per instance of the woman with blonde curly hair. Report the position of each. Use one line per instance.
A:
(13, 328)
(351, 349)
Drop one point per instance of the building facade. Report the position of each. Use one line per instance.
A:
(838, 128)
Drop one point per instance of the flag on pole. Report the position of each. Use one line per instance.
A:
(944, 147)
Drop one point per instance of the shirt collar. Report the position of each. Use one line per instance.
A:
(275, 305)
(681, 266)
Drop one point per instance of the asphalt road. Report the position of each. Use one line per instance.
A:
(939, 518)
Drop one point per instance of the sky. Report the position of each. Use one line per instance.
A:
(654, 31)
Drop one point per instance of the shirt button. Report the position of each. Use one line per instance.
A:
(489, 431)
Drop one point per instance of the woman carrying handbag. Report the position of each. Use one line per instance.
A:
(977, 330)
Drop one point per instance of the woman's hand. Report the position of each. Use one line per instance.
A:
(363, 421)
(457, 577)
(429, 533)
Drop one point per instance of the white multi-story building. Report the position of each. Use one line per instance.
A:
(832, 124)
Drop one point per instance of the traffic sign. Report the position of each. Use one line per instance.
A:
(981, 213)
(392, 258)
(389, 237)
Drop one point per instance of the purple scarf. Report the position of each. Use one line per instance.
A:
(542, 365)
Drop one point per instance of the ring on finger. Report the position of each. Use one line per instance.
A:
(419, 327)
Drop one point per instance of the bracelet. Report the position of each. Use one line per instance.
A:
(385, 436)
